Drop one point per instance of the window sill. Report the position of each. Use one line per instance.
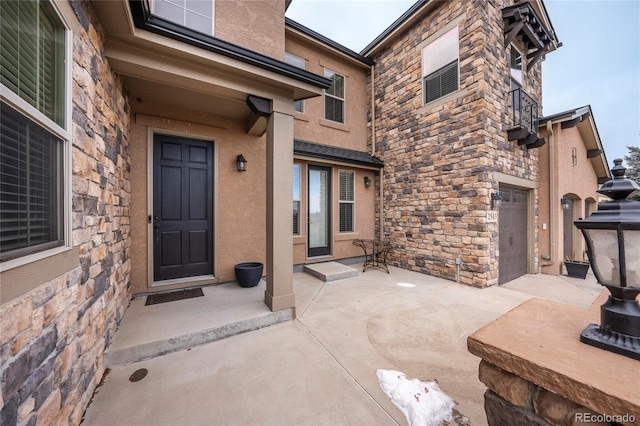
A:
(19, 276)
(347, 236)
(334, 125)
(299, 239)
(441, 101)
(300, 116)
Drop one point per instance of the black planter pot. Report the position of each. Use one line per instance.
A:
(577, 269)
(248, 274)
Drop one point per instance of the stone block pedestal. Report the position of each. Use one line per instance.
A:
(539, 373)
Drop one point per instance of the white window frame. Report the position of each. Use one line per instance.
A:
(299, 62)
(184, 14)
(352, 174)
(64, 133)
(440, 44)
(329, 73)
(297, 170)
(519, 82)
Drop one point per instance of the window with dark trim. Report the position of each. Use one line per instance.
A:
(334, 97)
(346, 200)
(440, 73)
(33, 137)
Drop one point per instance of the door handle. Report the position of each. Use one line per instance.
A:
(156, 230)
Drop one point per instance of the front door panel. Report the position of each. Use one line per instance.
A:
(182, 208)
(319, 211)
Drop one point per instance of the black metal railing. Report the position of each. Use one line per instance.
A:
(524, 111)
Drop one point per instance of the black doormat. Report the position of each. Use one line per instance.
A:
(154, 299)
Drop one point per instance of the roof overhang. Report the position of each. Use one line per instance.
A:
(530, 22)
(167, 63)
(334, 155)
(295, 28)
(582, 118)
(407, 19)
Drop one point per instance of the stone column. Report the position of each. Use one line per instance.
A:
(279, 293)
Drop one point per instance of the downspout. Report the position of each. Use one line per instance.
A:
(373, 151)
(552, 200)
(373, 113)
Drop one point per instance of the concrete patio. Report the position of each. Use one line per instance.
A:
(317, 369)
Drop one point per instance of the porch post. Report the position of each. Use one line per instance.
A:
(279, 293)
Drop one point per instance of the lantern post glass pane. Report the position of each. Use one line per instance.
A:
(632, 257)
(603, 244)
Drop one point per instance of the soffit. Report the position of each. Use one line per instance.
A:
(160, 68)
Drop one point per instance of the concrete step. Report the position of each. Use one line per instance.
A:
(225, 310)
(330, 271)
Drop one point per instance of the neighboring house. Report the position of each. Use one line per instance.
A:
(122, 122)
(457, 93)
(573, 166)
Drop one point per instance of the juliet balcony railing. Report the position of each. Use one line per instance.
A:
(524, 120)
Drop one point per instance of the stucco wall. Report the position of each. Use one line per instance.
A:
(574, 178)
(311, 125)
(443, 160)
(256, 25)
(52, 339)
(239, 197)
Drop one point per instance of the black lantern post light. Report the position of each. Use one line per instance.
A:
(612, 234)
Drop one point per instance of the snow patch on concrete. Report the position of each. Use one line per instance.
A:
(422, 403)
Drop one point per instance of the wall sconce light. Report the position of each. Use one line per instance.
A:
(612, 234)
(367, 181)
(496, 200)
(565, 203)
(241, 163)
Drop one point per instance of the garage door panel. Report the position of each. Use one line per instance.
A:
(512, 235)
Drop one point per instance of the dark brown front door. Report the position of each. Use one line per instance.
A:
(512, 235)
(182, 208)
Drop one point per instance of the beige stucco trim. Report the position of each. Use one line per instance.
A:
(514, 181)
(43, 268)
(183, 129)
(150, 56)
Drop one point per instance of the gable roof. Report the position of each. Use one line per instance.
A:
(582, 118)
(327, 42)
(407, 18)
(416, 11)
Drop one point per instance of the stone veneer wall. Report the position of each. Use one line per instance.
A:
(52, 339)
(512, 400)
(440, 161)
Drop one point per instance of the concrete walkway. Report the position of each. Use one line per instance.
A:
(319, 368)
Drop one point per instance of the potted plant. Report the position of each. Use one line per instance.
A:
(248, 274)
(576, 268)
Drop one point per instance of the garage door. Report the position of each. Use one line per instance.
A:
(513, 235)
